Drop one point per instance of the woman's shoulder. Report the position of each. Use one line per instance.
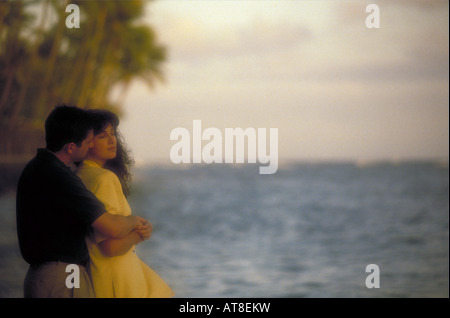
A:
(96, 174)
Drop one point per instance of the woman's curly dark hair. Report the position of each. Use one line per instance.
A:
(122, 163)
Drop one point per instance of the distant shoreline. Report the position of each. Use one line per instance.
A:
(10, 174)
(12, 166)
(14, 159)
(286, 164)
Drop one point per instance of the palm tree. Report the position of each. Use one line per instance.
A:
(55, 44)
(44, 63)
(13, 52)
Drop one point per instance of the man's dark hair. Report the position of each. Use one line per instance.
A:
(66, 124)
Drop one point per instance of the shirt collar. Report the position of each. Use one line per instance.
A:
(48, 155)
(91, 163)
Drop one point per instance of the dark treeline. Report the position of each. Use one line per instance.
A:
(43, 62)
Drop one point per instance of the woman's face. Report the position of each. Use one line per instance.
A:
(105, 145)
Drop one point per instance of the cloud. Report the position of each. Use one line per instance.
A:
(192, 40)
(344, 49)
(334, 88)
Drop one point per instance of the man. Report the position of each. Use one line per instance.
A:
(55, 211)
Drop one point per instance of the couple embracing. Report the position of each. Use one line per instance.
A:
(82, 217)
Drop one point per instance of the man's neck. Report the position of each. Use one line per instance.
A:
(63, 157)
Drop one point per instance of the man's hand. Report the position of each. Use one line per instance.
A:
(144, 229)
(116, 226)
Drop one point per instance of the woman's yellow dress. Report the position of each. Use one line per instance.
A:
(124, 276)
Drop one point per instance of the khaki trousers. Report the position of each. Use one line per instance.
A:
(48, 280)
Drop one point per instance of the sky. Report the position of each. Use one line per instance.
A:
(335, 89)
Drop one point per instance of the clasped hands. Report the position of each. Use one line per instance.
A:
(144, 228)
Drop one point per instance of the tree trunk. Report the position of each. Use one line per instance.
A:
(41, 107)
(32, 63)
(89, 76)
(11, 47)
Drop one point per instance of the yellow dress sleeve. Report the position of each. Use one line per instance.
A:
(108, 189)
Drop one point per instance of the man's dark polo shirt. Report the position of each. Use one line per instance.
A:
(54, 212)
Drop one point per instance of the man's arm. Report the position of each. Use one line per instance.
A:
(116, 226)
(115, 247)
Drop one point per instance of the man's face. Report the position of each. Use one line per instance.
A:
(80, 152)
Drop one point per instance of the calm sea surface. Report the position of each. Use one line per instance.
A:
(308, 231)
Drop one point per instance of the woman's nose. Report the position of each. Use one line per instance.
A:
(112, 140)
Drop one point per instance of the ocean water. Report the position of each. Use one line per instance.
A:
(308, 231)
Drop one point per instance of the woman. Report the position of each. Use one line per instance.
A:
(115, 269)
